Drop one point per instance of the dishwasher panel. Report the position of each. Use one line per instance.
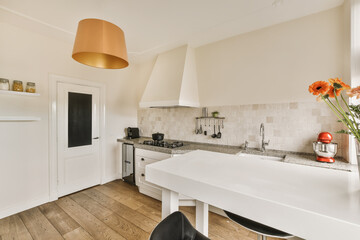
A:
(128, 166)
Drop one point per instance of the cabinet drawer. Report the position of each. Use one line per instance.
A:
(151, 154)
(140, 177)
(142, 161)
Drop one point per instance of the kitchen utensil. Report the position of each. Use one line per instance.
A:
(158, 136)
(200, 130)
(204, 111)
(214, 135)
(324, 149)
(222, 123)
(219, 133)
(196, 127)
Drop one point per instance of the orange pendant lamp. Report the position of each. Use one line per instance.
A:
(100, 44)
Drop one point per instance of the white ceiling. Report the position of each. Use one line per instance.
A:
(154, 26)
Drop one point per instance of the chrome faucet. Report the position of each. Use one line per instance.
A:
(262, 134)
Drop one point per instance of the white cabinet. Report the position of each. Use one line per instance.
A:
(145, 157)
(142, 158)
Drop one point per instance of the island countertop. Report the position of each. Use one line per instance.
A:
(312, 203)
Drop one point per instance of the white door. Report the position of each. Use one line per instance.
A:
(79, 165)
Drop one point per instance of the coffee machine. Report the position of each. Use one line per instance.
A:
(324, 148)
(132, 133)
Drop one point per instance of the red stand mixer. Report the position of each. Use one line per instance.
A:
(324, 148)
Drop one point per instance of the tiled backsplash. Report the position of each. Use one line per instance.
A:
(288, 126)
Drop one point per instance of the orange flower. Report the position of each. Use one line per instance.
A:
(319, 87)
(354, 92)
(338, 84)
(331, 94)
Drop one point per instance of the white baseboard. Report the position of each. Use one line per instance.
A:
(22, 206)
(109, 179)
(150, 193)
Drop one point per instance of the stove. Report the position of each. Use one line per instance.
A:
(163, 144)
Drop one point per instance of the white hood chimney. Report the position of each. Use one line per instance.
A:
(173, 81)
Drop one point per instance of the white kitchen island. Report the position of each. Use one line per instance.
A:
(309, 202)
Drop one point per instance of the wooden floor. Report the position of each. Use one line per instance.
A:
(115, 210)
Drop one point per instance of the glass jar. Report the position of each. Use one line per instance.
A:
(30, 87)
(4, 84)
(18, 86)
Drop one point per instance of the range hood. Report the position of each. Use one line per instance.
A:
(173, 81)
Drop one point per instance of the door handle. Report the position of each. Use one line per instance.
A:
(96, 138)
(128, 162)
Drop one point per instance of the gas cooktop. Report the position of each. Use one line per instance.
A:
(163, 144)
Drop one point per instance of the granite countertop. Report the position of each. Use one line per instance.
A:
(188, 146)
(288, 157)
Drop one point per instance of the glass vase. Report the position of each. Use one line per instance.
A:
(357, 144)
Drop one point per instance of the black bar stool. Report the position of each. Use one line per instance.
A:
(176, 227)
(263, 231)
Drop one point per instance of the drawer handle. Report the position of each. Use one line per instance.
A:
(142, 159)
(143, 175)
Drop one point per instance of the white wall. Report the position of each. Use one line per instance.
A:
(24, 164)
(269, 66)
(274, 64)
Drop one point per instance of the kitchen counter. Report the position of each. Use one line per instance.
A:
(288, 157)
(188, 146)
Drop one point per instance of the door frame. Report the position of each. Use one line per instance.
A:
(53, 136)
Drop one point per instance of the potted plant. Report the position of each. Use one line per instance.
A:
(348, 114)
(215, 114)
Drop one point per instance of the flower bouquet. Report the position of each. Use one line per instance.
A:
(331, 93)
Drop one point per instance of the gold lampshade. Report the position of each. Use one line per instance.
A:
(100, 44)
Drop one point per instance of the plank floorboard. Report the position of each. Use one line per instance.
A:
(150, 212)
(134, 194)
(78, 234)
(117, 223)
(39, 226)
(91, 206)
(131, 215)
(13, 228)
(127, 229)
(112, 211)
(97, 229)
(58, 218)
(125, 199)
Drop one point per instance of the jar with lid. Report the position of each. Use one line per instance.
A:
(30, 87)
(18, 86)
(4, 84)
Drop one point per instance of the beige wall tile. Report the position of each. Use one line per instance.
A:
(290, 126)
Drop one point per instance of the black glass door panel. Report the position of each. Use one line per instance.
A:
(79, 119)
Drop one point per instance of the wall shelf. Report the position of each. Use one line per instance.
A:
(19, 119)
(19, 93)
(210, 118)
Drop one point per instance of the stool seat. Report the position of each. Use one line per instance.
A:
(176, 227)
(259, 228)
